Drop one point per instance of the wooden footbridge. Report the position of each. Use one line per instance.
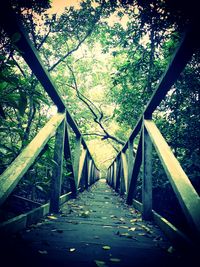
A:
(97, 227)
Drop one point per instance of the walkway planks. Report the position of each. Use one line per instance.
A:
(96, 229)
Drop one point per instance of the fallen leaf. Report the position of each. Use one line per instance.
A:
(51, 217)
(171, 249)
(132, 229)
(115, 260)
(85, 214)
(106, 247)
(100, 263)
(72, 249)
(133, 220)
(43, 252)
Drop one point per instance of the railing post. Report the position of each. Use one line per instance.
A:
(69, 165)
(130, 161)
(58, 169)
(115, 174)
(85, 173)
(89, 170)
(147, 176)
(77, 155)
(122, 182)
(118, 174)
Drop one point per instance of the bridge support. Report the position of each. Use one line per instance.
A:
(147, 177)
(58, 169)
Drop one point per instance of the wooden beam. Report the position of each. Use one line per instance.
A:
(118, 174)
(56, 180)
(89, 170)
(69, 165)
(185, 192)
(130, 161)
(135, 172)
(13, 26)
(147, 176)
(188, 45)
(81, 164)
(77, 154)
(12, 175)
(125, 170)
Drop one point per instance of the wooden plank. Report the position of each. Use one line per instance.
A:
(86, 178)
(122, 187)
(188, 45)
(12, 175)
(177, 237)
(12, 25)
(56, 180)
(69, 165)
(147, 177)
(24, 220)
(89, 170)
(125, 171)
(118, 174)
(77, 155)
(135, 173)
(130, 161)
(81, 164)
(115, 174)
(185, 192)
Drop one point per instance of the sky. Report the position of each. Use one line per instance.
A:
(58, 6)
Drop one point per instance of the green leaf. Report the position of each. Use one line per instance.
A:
(22, 103)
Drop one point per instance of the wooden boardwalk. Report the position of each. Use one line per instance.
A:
(96, 229)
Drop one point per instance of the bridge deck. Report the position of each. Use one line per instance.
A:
(96, 229)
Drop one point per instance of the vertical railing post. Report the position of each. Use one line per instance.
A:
(118, 174)
(147, 176)
(56, 180)
(89, 170)
(86, 177)
(77, 155)
(69, 165)
(130, 161)
(125, 170)
(122, 178)
(115, 174)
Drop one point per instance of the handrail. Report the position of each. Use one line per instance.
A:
(12, 175)
(189, 42)
(185, 192)
(13, 27)
(11, 23)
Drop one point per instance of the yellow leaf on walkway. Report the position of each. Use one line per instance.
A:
(106, 247)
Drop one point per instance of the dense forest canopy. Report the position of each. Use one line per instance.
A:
(106, 58)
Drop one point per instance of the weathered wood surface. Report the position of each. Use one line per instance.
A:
(57, 179)
(135, 172)
(97, 227)
(189, 43)
(147, 177)
(77, 155)
(13, 174)
(186, 194)
(125, 170)
(69, 164)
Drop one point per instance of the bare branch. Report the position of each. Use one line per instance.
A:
(70, 52)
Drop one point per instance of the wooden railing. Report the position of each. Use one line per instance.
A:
(123, 172)
(83, 170)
